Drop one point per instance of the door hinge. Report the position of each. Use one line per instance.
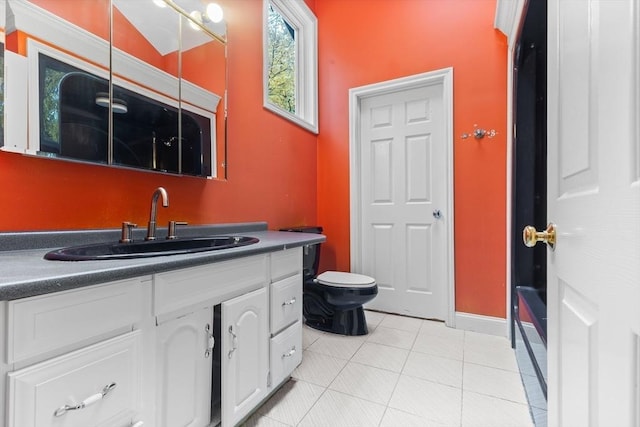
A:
(269, 379)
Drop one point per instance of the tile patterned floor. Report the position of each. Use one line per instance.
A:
(406, 372)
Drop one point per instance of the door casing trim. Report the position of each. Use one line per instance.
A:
(444, 77)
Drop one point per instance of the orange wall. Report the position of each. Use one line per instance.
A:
(271, 166)
(367, 41)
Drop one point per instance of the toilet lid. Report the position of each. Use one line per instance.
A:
(342, 279)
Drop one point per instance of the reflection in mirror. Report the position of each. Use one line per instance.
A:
(197, 51)
(45, 40)
(2, 89)
(2, 25)
(123, 101)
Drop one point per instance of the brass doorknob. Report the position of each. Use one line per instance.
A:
(530, 236)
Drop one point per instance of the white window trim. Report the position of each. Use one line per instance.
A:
(299, 16)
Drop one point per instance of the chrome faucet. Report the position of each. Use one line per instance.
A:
(151, 229)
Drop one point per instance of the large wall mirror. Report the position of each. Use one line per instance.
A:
(136, 84)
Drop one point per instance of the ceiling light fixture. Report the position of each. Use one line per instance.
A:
(213, 13)
(118, 106)
(160, 3)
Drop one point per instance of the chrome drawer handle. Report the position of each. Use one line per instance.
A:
(234, 342)
(86, 402)
(290, 302)
(290, 352)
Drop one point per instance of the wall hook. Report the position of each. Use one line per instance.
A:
(479, 133)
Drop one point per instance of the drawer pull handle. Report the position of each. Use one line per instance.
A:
(86, 402)
(290, 302)
(211, 342)
(234, 341)
(290, 352)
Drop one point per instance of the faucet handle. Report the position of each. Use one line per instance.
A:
(171, 234)
(127, 228)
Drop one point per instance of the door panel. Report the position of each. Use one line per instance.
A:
(594, 199)
(403, 169)
(245, 354)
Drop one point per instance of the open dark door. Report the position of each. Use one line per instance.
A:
(529, 269)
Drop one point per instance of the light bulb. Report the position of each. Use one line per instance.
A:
(214, 12)
(197, 17)
(160, 3)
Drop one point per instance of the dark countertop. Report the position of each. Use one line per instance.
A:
(24, 272)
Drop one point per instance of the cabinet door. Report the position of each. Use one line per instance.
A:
(245, 357)
(183, 395)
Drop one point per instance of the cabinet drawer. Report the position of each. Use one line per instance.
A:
(286, 302)
(285, 263)
(199, 287)
(36, 393)
(38, 325)
(286, 353)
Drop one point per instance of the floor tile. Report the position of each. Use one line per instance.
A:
(290, 404)
(434, 368)
(366, 382)
(257, 420)
(373, 318)
(395, 418)
(438, 345)
(493, 382)
(337, 409)
(489, 350)
(393, 337)
(479, 410)
(381, 356)
(435, 402)
(433, 327)
(404, 323)
(309, 336)
(533, 391)
(338, 346)
(445, 378)
(318, 368)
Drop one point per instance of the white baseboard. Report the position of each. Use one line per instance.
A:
(483, 324)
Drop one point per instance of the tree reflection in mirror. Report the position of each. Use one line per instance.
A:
(282, 61)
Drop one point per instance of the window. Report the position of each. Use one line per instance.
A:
(290, 62)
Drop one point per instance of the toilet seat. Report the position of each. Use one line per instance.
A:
(341, 279)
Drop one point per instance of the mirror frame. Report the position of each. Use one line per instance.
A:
(301, 18)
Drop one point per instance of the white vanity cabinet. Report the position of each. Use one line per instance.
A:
(245, 354)
(73, 358)
(140, 352)
(286, 314)
(96, 386)
(183, 365)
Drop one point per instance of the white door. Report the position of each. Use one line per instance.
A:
(245, 354)
(405, 213)
(183, 393)
(594, 200)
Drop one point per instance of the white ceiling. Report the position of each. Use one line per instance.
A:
(160, 26)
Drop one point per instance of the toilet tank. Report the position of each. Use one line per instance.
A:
(310, 253)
